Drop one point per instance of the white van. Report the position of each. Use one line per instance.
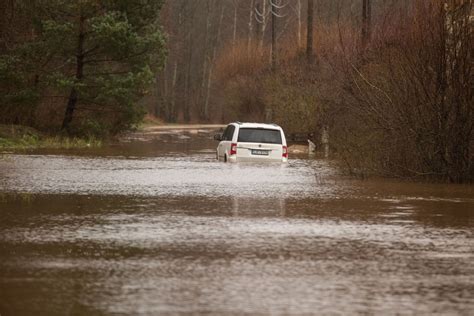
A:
(252, 142)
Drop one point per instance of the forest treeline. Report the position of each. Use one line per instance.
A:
(78, 67)
(390, 81)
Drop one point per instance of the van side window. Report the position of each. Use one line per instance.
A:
(224, 133)
(229, 133)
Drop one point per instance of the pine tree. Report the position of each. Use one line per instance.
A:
(100, 55)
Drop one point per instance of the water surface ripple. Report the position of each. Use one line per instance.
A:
(179, 233)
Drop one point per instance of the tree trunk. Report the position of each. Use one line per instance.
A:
(161, 107)
(298, 14)
(366, 22)
(205, 65)
(273, 12)
(73, 96)
(70, 107)
(187, 83)
(211, 65)
(178, 47)
(172, 110)
(369, 19)
(263, 8)
(187, 88)
(309, 34)
(250, 27)
(208, 93)
(234, 35)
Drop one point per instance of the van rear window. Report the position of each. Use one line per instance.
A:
(259, 135)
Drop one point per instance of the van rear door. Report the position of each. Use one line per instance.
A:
(259, 143)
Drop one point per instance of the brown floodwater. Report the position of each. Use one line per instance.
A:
(155, 225)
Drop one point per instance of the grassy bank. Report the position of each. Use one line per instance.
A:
(22, 137)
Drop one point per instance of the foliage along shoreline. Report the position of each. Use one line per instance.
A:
(19, 138)
(388, 82)
(390, 85)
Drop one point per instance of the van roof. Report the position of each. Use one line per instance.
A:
(257, 125)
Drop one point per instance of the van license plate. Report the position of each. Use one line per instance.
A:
(260, 152)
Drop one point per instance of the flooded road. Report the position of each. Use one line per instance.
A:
(155, 225)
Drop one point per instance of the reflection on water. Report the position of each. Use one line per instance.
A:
(126, 231)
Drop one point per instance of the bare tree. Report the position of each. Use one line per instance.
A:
(73, 97)
(261, 16)
(274, 13)
(366, 21)
(309, 35)
(234, 34)
(206, 59)
(274, 7)
(211, 64)
(300, 22)
(250, 26)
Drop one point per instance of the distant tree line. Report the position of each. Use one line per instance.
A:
(206, 34)
(78, 66)
(391, 81)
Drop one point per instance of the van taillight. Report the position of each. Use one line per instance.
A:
(285, 152)
(233, 149)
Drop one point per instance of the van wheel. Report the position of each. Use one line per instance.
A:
(225, 158)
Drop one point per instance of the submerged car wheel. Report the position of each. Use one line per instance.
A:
(225, 158)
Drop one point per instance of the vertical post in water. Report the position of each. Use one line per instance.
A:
(325, 141)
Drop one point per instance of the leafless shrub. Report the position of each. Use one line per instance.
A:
(411, 104)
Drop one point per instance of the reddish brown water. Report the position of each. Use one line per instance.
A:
(157, 226)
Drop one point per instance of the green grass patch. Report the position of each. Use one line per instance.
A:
(21, 137)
